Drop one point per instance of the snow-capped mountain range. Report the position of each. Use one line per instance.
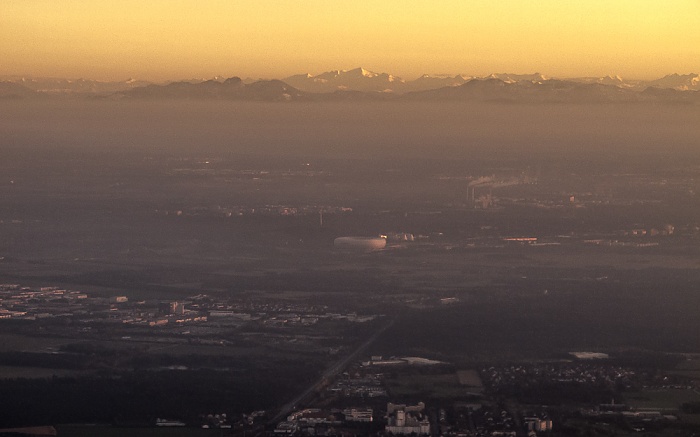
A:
(677, 82)
(357, 79)
(360, 83)
(360, 79)
(53, 85)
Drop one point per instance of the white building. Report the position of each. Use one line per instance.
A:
(403, 419)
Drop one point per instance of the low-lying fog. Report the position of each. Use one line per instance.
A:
(358, 130)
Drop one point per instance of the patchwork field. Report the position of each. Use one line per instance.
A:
(666, 399)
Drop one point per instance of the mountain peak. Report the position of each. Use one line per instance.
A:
(359, 71)
(357, 79)
(683, 82)
(235, 80)
(512, 78)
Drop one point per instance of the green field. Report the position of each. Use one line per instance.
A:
(689, 368)
(470, 379)
(19, 342)
(426, 386)
(667, 399)
(9, 372)
(692, 364)
(108, 431)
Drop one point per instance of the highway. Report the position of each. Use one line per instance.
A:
(329, 374)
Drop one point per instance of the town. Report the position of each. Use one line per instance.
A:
(306, 298)
(374, 395)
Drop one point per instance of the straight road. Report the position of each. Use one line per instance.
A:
(330, 373)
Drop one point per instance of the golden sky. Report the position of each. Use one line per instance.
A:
(178, 39)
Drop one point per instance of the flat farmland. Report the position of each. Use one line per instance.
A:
(663, 399)
(470, 378)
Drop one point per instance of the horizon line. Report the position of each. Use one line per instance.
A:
(248, 77)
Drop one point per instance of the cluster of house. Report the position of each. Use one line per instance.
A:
(315, 421)
(401, 419)
(506, 377)
(20, 302)
(360, 385)
(266, 210)
(17, 302)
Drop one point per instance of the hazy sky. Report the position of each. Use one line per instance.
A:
(176, 39)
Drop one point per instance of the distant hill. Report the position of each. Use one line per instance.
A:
(549, 91)
(360, 84)
(670, 95)
(230, 89)
(70, 87)
(11, 90)
(512, 78)
(607, 80)
(677, 82)
(428, 82)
